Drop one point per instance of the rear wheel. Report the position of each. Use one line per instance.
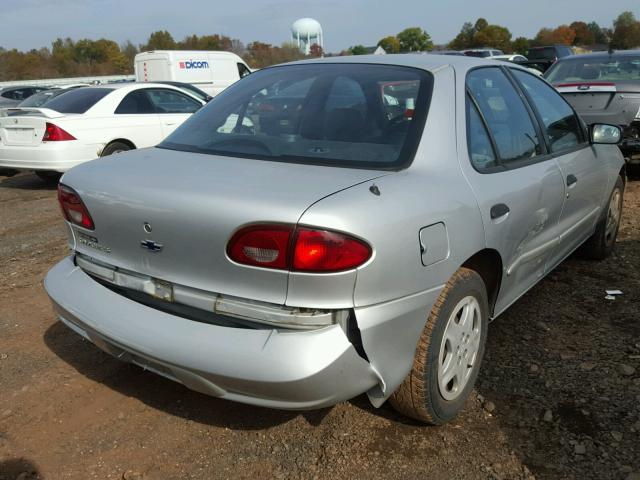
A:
(49, 177)
(448, 356)
(115, 147)
(600, 245)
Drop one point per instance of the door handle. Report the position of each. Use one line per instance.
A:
(499, 210)
(571, 180)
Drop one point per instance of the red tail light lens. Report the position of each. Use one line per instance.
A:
(73, 209)
(54, 133)
(303, 249)
(325, 251)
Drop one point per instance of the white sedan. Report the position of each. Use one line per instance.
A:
(90, 122)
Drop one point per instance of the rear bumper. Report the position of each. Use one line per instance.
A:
(53, 156)
(271, 368)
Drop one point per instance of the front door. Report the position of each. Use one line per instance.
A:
(173, 107)
(518, 186)
(583, 173)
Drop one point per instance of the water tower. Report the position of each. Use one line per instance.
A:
(305, 32)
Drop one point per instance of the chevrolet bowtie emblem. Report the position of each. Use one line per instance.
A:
(151, 245)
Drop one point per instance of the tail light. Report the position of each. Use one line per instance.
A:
(73, 208)
(301, 249)
(54, 133)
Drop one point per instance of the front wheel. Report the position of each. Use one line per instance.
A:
(600, 245)
(449, 352)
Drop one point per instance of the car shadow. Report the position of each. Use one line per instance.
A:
(163, 394)
(19, 468)
(27, 181)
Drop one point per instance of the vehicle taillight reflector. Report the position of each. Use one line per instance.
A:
(261, 245)
(73, 208)
(303, 249)
(54, 133)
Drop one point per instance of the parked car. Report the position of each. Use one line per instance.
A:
(40, 98)
(483, 52)
(336, 242)
(604, 87)
(202, 95)
(541, 58)
(11, 96)
(211, 71)
(91, 122)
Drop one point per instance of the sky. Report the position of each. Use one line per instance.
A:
(28, 24)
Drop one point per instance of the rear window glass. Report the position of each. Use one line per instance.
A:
(78, 101)
(39, 99)
(547, 53)
(359, 115)
(605, 68)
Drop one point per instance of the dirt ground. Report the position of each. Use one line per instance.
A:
(558, 394)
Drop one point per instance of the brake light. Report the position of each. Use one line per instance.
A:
(304, 249)
(54, 133)
(73, 208)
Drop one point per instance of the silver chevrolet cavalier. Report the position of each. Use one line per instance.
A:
(334, 227)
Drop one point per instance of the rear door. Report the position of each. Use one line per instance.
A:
(518, 186)
(173, 107)
(137, 116)
(585, 177)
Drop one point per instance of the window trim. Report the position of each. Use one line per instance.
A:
(584, 142)
(521, 162)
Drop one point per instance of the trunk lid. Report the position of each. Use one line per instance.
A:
(24, 126)
(603, 102)
(190, 204)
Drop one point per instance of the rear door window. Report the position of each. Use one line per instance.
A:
(506, 115)
(136, 102)
(357, 115)
(79, 100)
(562, 127)
(171, 101)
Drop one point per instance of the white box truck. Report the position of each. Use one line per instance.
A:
(211, 71)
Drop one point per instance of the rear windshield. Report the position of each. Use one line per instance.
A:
(78, 101)
(357, 115)
(605, 68)
(546, 53)
(478, 53)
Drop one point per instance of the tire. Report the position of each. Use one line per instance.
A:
(600, 245)
(49, 177)
(420, 396)
(115, 147)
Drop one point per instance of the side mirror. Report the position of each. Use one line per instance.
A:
(602, 133)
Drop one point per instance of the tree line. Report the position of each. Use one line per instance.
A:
(69, 58)
(624, 34)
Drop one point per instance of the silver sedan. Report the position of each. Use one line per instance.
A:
(335, 227)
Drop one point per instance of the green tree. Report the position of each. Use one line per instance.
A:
(480, 25)
(521, 45)
(358, 50)
(129, 50)
(494, 36)
(599, 35)
(464, 39)
(390, 44)
(626, 32)
(414, 40)
(160, 40)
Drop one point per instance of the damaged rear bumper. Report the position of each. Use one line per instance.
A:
(265, 367)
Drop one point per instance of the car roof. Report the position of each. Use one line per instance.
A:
(603, 54)
(420, 60)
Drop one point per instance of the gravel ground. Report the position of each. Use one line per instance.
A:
(558, 395)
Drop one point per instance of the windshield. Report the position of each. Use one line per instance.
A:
(596, 69)
(362, 115)
(78, 101)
